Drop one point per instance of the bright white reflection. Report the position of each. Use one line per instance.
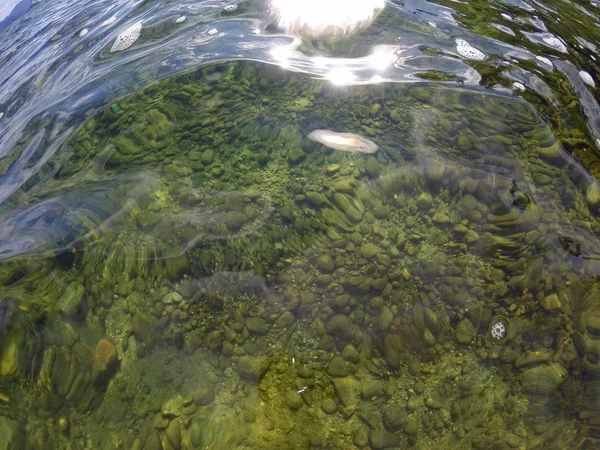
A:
(367, 69)
(341, 76)
(382, 58)
(325, 17)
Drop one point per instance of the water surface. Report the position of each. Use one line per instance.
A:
(183, 265)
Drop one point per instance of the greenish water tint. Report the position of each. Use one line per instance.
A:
(192, 271)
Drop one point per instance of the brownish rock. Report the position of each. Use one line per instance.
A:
(105, 360)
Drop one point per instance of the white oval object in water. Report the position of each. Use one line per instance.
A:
(587, 78)
(127, 38)
(109, 21)
(231, 8)
(555, 43)
(519, 86)
(180, 19)
(212, 31)
(466, 50)
(349, 142)
(83, 32)
(544, 60)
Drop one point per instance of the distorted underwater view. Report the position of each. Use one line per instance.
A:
(358, 224)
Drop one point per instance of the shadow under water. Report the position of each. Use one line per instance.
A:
(261, 290)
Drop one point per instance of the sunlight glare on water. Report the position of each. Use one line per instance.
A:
(317, 17)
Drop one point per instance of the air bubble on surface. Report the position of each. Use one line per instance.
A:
(544, 60)
(503, 28)
(109, 21)
(467, 51)
(127, 38)
(555, 43)
(519, 86)
(587, 78)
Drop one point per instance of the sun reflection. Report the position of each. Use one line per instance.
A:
(341, 76)
(325, 17)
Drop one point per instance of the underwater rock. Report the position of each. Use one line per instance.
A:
(325, 264)
(592, 194)
(293, 400)
(257, 325)
(9, 434)
(411, 426)
(296, 155)
(346, 389)
(173, 407)
(204, 395)
(7, 308)
(371, 388)
(370, 250)
(373, 168)
(393, 347)
(329, 406)
(343, 141)
(592, 321)
(394, 417)
(337, 367)
(314, 198)
(425, 201)
(544, 379)
(71, 300)
(382, 439)
(252, 368)
(360, 437)
(385, 318)
(551, 303)
(104, 360)
(173, 434)
(342, 327)
(208, 156)
(196, 433)
(465, 331)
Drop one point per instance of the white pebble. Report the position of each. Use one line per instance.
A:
(519, 86)
(587, 78)
(506, 16)
(555, 43)
(467, 51)
(83, 32)
(109, 21)
(1, 115)
(544, 60)
(180, 19)
(231, 8)
(127, 38)
(213, 31)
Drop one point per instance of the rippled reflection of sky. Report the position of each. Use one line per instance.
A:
(6, 6)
